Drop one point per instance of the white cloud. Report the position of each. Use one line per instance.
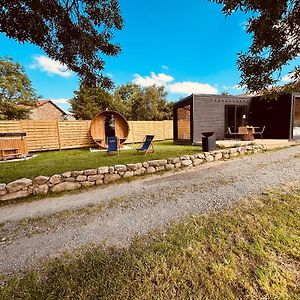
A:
(160, 79)
(50, 66)
(165, 67)
(184, 87)
(189, 87)
(60, 100)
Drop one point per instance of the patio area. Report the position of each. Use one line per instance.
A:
(269, 143)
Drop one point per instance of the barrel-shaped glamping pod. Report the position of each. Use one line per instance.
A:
(106, 124)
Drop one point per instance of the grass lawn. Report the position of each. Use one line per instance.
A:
(251, 251)
(57, 162)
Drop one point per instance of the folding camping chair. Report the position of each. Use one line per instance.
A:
(147, 145)
(113, 145)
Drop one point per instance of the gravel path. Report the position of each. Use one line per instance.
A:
(139, 206)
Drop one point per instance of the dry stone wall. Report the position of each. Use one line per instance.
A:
(43, 185)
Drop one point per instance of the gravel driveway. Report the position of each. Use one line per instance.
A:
(131, 209)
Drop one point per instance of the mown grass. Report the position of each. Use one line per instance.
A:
(246, 252)
(57, 162)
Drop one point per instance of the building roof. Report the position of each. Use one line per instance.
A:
(42, 102)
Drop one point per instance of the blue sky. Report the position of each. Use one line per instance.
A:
(186, 46)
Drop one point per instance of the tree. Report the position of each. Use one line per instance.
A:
(275, 27)
(144, 103)
(125, 95)
(131, 100)
(16, 93)
(88, 102)
(70, 31)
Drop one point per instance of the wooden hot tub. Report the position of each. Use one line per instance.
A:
(13, 145)
(109, 123)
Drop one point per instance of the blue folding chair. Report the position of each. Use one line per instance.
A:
(113, 145)
(147, 145)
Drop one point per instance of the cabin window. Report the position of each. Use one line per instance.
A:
(235, 116)
(184, 122)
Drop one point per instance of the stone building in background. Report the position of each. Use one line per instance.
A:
(47, 110)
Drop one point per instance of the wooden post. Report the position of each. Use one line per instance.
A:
(58, 135)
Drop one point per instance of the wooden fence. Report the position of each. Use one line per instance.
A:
(54, 135)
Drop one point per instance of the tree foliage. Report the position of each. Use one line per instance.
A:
(73, 32)
(275, 28)
(16, 93)
(131, 100)
(88, 102)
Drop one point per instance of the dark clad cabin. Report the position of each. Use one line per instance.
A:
(199, 113)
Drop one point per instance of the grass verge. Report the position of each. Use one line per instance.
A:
(251, 251)
(57, 162)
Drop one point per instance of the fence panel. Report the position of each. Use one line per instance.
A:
(41, 135)
(53, 135)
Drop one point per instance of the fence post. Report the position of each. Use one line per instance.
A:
(58, 135)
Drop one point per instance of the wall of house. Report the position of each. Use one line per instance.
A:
(46, 111)
(209, 114)
(275, 114)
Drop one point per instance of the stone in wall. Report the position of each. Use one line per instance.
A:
(128, 174)
(18, 185)
(81, 178)
(111, 169)
(169, 167)
(160, 168)
(218, 156)
(90, 172)
(157, 162)
(87, 183)
(65, 186)
(42, 189)
(54, 179)
(67, 174)
(40, 180)
(95, 177)
(15, 195)
(197, 161)
(209, 158)
(3, 189)
(140, 171)
(145, 164)
(150, 170)
(76, 173)
(132, 167)
(186, 163)
(102, 170)
(111, 177)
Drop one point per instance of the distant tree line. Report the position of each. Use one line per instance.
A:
(131, 100)
(17, 98)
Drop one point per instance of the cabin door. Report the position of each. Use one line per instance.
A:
(235, 117)
(110, 128)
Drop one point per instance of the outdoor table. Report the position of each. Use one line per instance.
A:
(247, 133)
